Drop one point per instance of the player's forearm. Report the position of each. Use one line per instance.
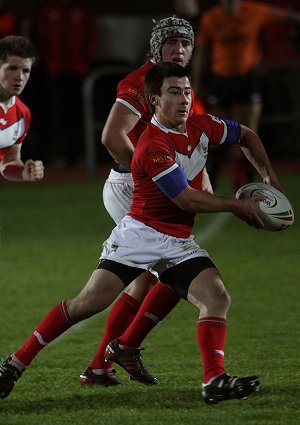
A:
(120, 148)
(264, 168)
(122, 156)
(13, 172)
(260, 162)
(213, 205)
(255, 152)
(198, 201)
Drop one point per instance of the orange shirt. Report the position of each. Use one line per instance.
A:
(235, 39)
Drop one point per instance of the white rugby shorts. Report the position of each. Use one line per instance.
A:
(117, 191)
(134, 244)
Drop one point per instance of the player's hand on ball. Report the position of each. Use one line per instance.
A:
(246, 210)
(33, 171)
(275, 209)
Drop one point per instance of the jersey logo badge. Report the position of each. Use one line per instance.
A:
(159, 158)
(3, 121)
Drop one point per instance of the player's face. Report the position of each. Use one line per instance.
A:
(14, 74)
(177, 50)
(173, 105)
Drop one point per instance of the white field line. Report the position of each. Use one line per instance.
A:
(217, 222)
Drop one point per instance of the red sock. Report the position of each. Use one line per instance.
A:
(54, 324)
(211, 337)
(121, 315)
(159, 301)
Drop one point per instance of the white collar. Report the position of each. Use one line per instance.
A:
(7, 105)
(155, 121)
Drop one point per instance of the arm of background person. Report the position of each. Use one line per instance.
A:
(187, 8)
(120, 122)
(292, 17)
(199, 66)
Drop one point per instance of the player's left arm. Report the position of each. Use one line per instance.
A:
(14, 169)
(255, 152)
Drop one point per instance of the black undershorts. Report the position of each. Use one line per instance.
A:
(178, 277)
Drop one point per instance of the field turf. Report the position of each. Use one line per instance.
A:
(51, 236)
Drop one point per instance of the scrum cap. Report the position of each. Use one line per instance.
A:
(168, 28)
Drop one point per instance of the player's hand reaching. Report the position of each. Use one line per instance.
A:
(273, 181)
(33, 171)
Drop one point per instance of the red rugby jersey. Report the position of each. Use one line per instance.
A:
(157, 151)
(14, 124)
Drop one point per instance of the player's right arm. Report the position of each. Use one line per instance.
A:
(13, 168)
(199, 201)
(173, 182)
(120, 122)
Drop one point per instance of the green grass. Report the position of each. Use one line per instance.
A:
(51, 238)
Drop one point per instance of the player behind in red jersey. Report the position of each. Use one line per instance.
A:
(16, 59)
(156, 236)
(172, 40)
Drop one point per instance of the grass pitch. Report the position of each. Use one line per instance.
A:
(51, 236)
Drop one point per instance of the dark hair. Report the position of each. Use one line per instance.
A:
(158, 73)
(16, 45)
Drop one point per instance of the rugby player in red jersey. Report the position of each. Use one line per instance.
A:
(156, 236)
(16, 59)
(172, 40)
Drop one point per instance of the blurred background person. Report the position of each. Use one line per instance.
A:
(8, 19)
(226, 68)
(192, 10)
(64, 32)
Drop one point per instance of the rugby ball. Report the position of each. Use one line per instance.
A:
(275, 209)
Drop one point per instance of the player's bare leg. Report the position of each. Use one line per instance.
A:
(99, 292)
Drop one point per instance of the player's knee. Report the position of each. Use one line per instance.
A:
(220, 296)
(140, 287)
(225, 300)
(80, 308)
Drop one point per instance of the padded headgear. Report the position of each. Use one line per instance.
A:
(168, 28)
